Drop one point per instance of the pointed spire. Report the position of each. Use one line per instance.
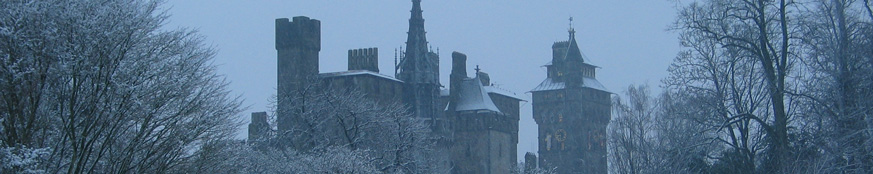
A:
(419, 69)
(416, 39)
(573, 52)
(416, 10)
(416, 53)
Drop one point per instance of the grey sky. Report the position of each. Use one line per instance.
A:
(510, 40)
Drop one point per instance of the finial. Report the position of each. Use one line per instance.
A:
(477, 70)
(571, 21)
(571, 30)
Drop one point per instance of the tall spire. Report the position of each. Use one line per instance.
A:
(416, 41)
(416, 58)
(419, 69)
(416, 14)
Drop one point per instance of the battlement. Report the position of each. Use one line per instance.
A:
(561, 44)
(301, 32)
(559, 51)
(259, 117)
(364, 59)
(361, 52)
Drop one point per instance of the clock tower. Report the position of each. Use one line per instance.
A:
(571, 109)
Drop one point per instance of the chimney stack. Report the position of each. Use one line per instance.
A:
(364, 59)
(459, 72)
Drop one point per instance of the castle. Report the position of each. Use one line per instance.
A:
(477, 122)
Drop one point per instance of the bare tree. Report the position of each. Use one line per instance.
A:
(105, 89)
(721, 88)
(685, 144)
(238, 157)
(405, 144)
(757, 30)
(660, 134)
(632, 135)
(330, 117)
(836, 44)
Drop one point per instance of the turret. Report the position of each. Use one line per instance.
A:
(568, 65)
(302, 32)
(297, 44)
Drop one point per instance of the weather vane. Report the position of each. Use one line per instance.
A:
(571, 21)
(571, 25)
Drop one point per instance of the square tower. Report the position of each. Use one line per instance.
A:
(297, 44)
(571, 109)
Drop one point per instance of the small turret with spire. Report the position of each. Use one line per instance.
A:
(573, 52)
(568, 64)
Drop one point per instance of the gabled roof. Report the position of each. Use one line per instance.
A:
(474, 97)
(551, 84)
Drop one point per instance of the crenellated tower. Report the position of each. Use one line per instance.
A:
(297, 44)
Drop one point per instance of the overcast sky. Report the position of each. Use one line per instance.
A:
(509, 39)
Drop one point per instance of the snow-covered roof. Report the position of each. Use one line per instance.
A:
(551, 84)
(496, 90)
(474, 97)
(586, 61)
(358, 72)
(593, 84)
